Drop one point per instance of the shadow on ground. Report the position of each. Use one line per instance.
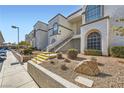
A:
(103, 75)
(80, 59)
(100, 64)
(1, 64)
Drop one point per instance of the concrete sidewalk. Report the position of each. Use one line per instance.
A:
(15, 75)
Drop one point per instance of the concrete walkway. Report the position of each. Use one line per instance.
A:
(15, 75)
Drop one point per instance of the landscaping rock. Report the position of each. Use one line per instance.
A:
(87, 67)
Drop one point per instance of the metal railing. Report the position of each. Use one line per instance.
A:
(54, 45)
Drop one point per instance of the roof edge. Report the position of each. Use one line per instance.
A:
(40, 22)
(56, 16)
(74, 12)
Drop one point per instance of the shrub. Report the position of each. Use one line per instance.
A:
(93, 52)
(27, 51)
(117, 51)
(24, 43)
(14, 47)
(59, 55)
(52, 62)
(64, 67)
(72, 53)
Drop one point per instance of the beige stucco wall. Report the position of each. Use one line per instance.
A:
(76, 27)
(109, 38)
(102, 27)
(41, 37)
(74, 43)
(62, 32)
(115, 12)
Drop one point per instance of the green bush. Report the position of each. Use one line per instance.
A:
(117, 51)
(59, 55)
(24, 43)
(27, 51)
(72, 53)
(93, 52)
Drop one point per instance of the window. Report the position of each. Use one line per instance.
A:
(55, 29)
(94, 41)
(93, 12)
(53, 40)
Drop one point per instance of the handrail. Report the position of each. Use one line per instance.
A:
(58, 42)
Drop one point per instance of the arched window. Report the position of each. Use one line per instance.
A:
(93, 12)
(94, 41)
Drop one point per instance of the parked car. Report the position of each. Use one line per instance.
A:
(3, 54)
(3, 51)
(2, 58)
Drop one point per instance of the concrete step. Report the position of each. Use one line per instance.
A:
(39, 59)
(42, 57)
(52, 55)
(45, 55)
(46, 52)
(36, 61)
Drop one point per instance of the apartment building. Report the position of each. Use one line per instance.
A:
(90, 27)
(1, 39)
(38, 37)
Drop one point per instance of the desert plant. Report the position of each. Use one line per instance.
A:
(72, 53)
(59, 56)
(93, 52)
(27, 51)
(117, 51)
(52, 62)
(64, 67)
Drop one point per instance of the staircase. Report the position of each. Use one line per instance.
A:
(62, 45)
(43, 57)
(57, 44)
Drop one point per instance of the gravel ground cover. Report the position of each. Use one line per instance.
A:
(111, 71)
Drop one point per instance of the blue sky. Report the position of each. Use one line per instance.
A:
(26, 16)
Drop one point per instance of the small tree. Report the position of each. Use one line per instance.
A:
(24, 43)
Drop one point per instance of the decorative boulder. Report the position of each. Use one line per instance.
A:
(87, 67)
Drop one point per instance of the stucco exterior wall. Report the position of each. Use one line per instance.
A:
(64, 22)
(115, 12)
(76, 27)
(41, 39)
(41, 25)
(109, 37)
(102, 27)
(64, 29)
(74, 43)
(71, 24)
(41, 35)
